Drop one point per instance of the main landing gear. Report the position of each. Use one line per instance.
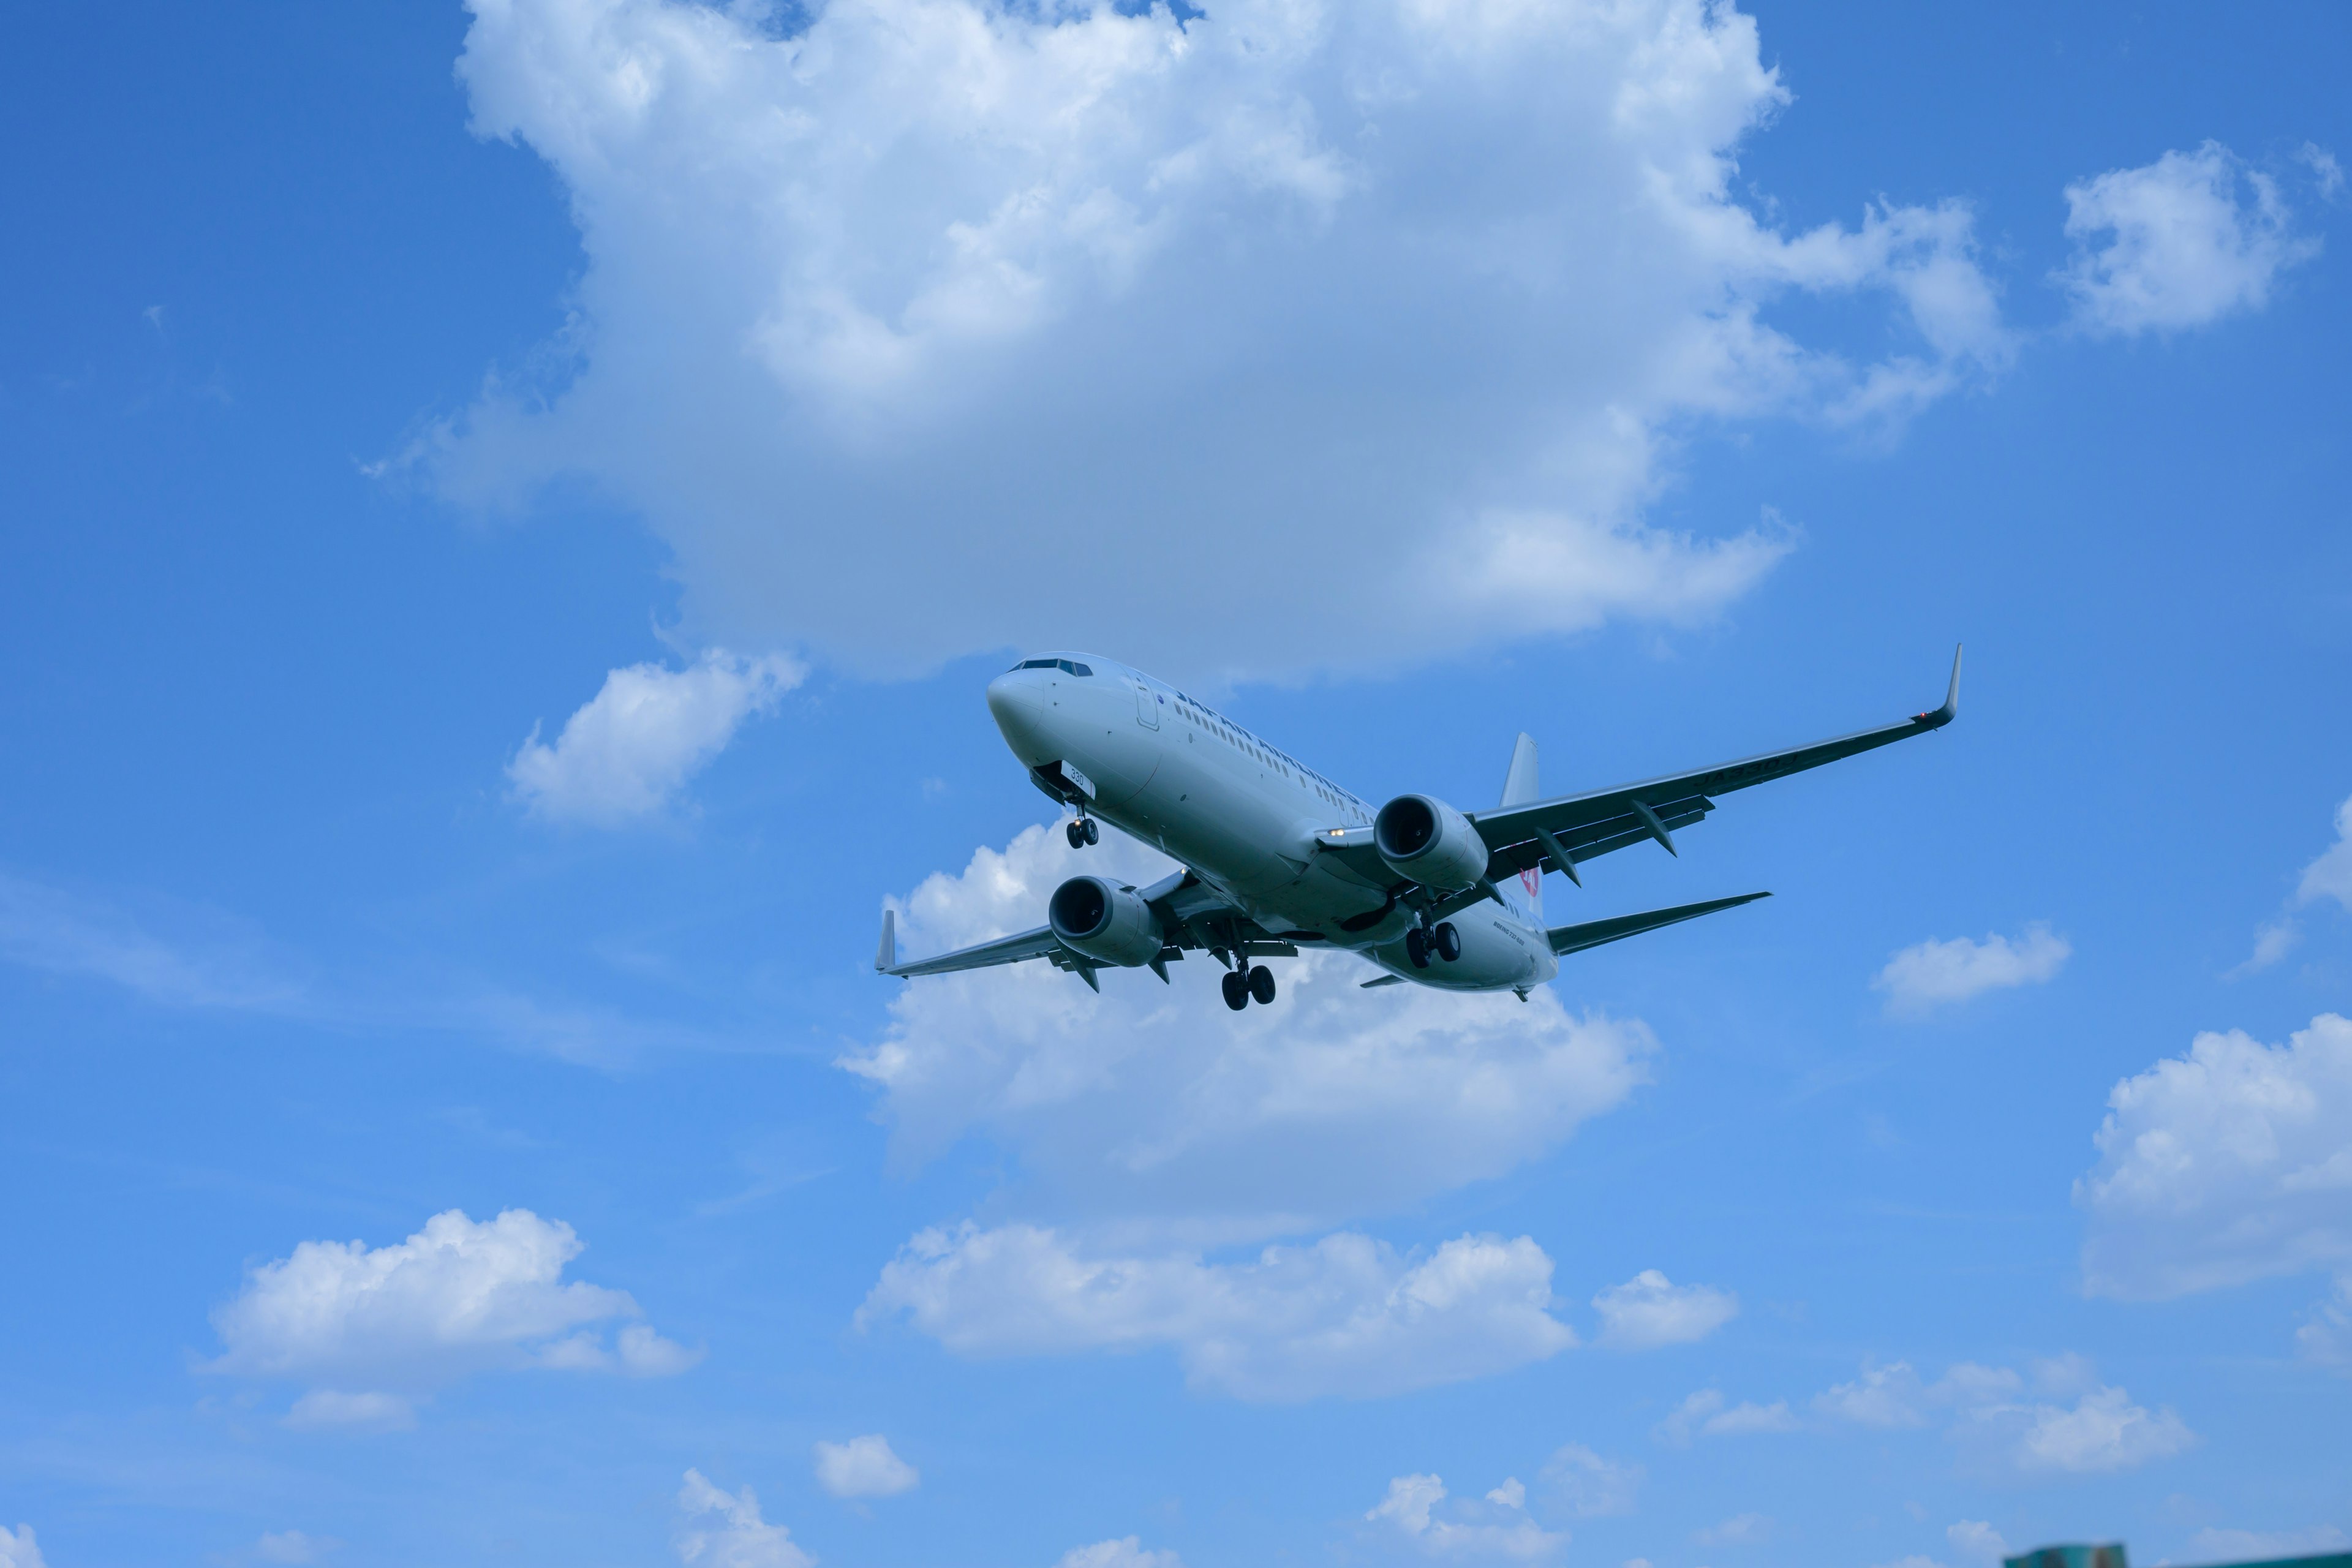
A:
(1241, 985)
(1443, 942)
(1082, 832)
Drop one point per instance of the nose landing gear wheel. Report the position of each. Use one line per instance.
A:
(1094, 834)
(1082, 832)
(1416, 947)
(1237, 991)
(1446, 941)
(1261, 984)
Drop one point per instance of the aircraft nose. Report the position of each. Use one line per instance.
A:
(1018, 708)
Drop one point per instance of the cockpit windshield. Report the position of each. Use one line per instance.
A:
(1064, 665)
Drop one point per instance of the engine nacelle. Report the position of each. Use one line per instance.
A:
(1430, 842)
(1104, 922)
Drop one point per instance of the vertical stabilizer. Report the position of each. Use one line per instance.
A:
(1525, 892)
(1519, 786)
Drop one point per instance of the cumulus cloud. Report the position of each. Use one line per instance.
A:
(459, 1296)
(1347, 1315)
(1707, 1413)
(2055, 1417)
(1882, 1397)
(1649, 1311)
(2229, 1163)
(1500, 1530)
(18, 1549)
(2188, 239)
(629, 750)
(1156, 1110)
(915, 327)
(864, 1467)
(724, 1530)
(1940, 973)
(1587, 1486)
(1128, 1551)
(2101, 1431)
(2329, 877)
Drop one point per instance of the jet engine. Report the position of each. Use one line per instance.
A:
(1104, 922)
(1430, 842)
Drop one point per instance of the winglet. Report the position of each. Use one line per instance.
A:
(1951, 708)
(885, 957)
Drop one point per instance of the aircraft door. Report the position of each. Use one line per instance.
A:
(1147, 706)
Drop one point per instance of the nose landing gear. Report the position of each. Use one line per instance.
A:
(1242, 986)
(1082, 832)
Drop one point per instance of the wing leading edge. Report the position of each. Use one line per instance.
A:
(1558, 833)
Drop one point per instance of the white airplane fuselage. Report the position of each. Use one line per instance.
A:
(1243, 817)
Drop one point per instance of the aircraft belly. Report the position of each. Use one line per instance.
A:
(1497, 955)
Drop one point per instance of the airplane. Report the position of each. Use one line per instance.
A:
(1276, 857)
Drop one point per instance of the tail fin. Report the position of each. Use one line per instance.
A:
(1525, 891)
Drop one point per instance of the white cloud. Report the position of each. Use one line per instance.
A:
(2268, 1545)
(1707, 1413)
(2329, 877)
(1974, 1541)
(1128, 1551)
(2325, 1336)
(2173, 245)
(1347, 1315)
(293, 1546)
(324, 1409)
(864, 1467)
(2229, 1163)
(1741, 1530)
(1302, 284)
(1883, 1396)
(1500, 1530)
(1939, 974)
(18, 1549)
(457, 1297)
(630, 747)
(724, 1530)
(1649, 1311)
(2103, 1431)
(1156, 1110)
(2018, 1423)
(1587, 1486)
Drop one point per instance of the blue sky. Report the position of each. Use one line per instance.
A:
(510, 513)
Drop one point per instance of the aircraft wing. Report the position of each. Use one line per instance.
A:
(1039, 943)
(1558, 833)
(1592, 933)
(1191, 915)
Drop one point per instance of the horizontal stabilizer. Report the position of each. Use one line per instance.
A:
(1592, 933)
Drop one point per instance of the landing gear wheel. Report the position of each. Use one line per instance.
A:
(1416, 947)
(1094, 834)
(1075, 833)
(1261, 984)
(1237, 994)
(1446, 941)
